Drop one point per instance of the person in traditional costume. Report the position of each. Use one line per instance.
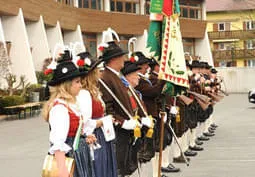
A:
(64, 116)
(122, 108)
(93, 111)
(131, 79)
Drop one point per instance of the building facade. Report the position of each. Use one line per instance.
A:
(231, 30)
(30, 30)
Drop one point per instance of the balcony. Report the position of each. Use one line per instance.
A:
(237, 34)
(234, 54)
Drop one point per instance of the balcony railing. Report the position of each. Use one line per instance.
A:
(237, 34)
(233, 54)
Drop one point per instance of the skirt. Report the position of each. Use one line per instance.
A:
(104, 163)
(83, 162)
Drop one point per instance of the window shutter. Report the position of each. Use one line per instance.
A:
(245, 44)
(244, 26)
(215, 46)
(245, 63)
(227, 26)
(216, 64)
(215, 27)
(234, 63)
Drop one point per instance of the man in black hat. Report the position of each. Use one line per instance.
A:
(114, 58)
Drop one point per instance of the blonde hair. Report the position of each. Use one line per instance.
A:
(90, 83)
(61, 91)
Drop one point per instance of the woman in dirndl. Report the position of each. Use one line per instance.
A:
(63, 115)
(93, 111)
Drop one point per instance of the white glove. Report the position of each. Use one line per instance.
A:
(146, 121)
(164, 118)
(129, 124)
(173, 110)
(197, 76)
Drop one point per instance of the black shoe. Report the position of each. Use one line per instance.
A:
(208, 134)
(214, 125)
(170, 168)
(190, 153)
(202, 138)
(164, 176)
(196, 148)
(180, 159)
(199, 143)
(210, 130)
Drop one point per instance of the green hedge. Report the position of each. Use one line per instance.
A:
(11, 100)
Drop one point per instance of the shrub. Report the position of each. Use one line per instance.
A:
(11, 100)
(41, 77)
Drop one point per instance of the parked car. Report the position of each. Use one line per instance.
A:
(251, 96)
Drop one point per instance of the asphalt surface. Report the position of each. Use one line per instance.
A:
(230, 153)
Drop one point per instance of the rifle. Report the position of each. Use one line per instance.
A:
(225, 93)
(186, 100)
(203, 98)
(215, 96)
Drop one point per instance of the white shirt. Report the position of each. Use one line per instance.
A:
(59, 122)
(84, 102)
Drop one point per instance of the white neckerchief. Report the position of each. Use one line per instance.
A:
(113, 70)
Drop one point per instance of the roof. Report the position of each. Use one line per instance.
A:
(229, 5)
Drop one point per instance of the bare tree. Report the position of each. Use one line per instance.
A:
(4, 61)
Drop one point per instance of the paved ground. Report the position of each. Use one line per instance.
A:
(231, 153)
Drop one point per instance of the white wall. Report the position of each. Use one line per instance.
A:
(3, 83)
(54, 36)
(141, 42)
(15, 31)
(74, 38)
(38, 41)
(238, 80)
(203, 49)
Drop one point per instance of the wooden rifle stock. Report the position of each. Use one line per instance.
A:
(203, 98)
(215, 97)
(186, 100)
(203, 105)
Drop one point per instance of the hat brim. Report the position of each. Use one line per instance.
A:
(66, 78)
(143, 62)
(131, 71)
(114, 55)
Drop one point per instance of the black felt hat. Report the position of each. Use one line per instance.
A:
(111, 50)
(213, 71)
(204, 65)
(153, 62)
(87, 62)
(142, 59)
(195, 64)
(129, 67)
(65, 70)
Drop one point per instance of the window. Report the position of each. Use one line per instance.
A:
(147, 5)
(90, 41)
(221, 26)
(191, 9)
(221, 46)
(91, 4)
(188, 46)
(124, 41)
(129, 6)
(250, 63)
(250, 44)
(222, 64)
(250, 25)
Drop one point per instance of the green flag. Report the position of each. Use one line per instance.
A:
(154, 39)
(177, 7)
